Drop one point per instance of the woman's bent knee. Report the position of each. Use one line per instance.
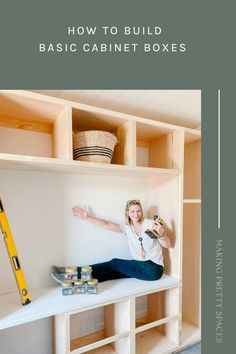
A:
(154, 274)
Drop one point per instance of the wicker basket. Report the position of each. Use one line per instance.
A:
(94, 146)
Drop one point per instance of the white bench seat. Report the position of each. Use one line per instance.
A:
(49, 301)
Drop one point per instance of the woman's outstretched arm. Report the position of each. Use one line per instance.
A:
(82, 214)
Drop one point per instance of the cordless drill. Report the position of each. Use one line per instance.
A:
(152, 233)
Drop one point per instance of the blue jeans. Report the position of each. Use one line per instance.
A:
(122, 268)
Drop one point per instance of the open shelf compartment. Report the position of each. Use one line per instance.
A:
(157, 146)
(124, 130)
(155, 307)
(33, 127)
(190, 334)
(162, 339)
(115, 323)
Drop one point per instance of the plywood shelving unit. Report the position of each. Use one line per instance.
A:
(36, 134)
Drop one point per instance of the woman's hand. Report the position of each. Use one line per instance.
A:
(159, 228)
(163, 238)
(79, 212)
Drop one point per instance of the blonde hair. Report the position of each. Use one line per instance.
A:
(128, 205)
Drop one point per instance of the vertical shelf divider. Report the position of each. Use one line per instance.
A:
(118, 318)
(132, 326)
(62, 334)
(125, 151)
(177, 147)
(62, 141)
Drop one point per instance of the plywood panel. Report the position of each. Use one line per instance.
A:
(24, 124)
(31, 163)
(85, 340)
(148, 131)
(49, 301)
(191, 263)
(25, 142)
(95, 119)
(62, 135)
(117, 318)
(164, 151)
(165, 304)
(125, 150)
(178, 149)
(142, 156)
(105, 349)
(165, 200)
(161, 152)
(192, 170)
(15, 107)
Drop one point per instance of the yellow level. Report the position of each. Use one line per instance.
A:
(14, 259)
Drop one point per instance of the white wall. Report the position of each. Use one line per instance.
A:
(38, 207)
(30, 338)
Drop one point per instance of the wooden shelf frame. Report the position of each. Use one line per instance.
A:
(149, 149)
(191, 248)
(35, 113)
(32, 163)
(119, 329)
(162, 306)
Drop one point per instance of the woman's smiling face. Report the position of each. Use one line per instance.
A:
(135, 213)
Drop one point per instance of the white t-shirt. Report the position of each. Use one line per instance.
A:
(152, 247)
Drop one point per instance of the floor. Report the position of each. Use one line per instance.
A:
(195, 349)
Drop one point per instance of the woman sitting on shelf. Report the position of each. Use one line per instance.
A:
(147, 262)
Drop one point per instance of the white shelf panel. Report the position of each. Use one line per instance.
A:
(10, 161)
(192, 201)
(100, 343)
(49, 301)
(106, 349)
(156, 323)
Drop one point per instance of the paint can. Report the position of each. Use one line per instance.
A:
(92, 286)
